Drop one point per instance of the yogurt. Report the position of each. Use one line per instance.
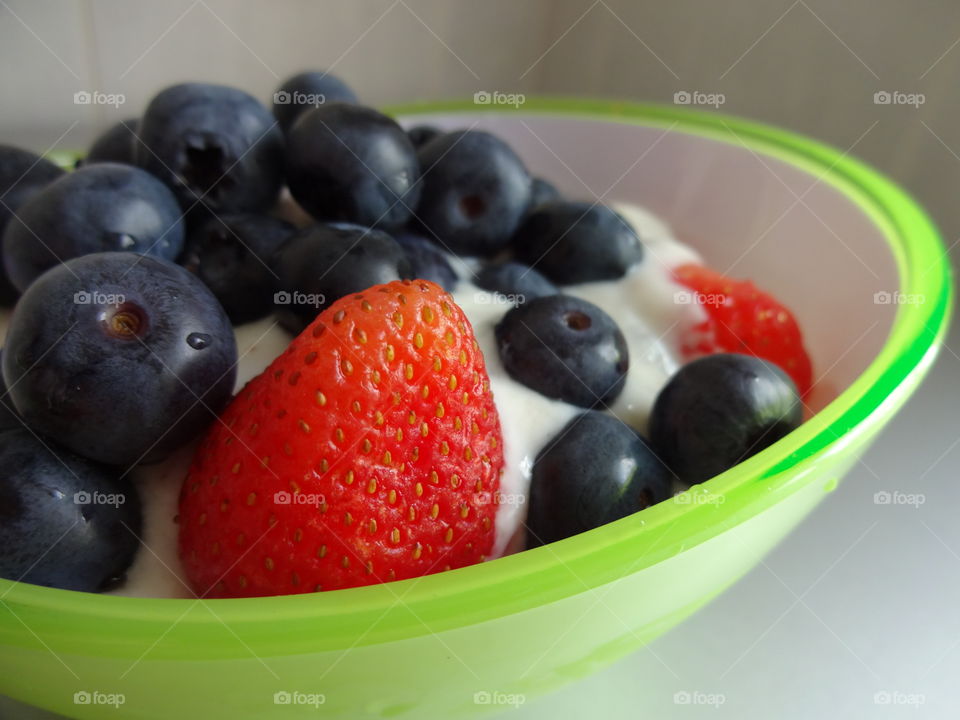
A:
(645, 306)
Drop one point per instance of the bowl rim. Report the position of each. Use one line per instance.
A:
(421, 606)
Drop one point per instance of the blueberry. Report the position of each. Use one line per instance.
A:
(596, 470)
(422, 134)
(543, 191)
(324, 262)
(428, 261)
(119, 357)
(576, 242)
(566, 348)
(98, 208)
(117, 144)
(306, 90)
(475, 191)
(351, 163)
(233, 255)
(8, 416)
(515, 279)
(213, 144)
(65, 522)
(719, 410)
(22, 175)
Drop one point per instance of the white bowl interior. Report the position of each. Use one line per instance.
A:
(749, 214)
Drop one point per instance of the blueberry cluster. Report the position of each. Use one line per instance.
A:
(714, 413)
(211, 210)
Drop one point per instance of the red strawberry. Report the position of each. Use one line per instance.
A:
(369, 451)
(743, 319)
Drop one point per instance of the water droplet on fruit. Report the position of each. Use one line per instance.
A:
(199, 341)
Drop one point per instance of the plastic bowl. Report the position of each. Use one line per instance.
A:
(857, 259)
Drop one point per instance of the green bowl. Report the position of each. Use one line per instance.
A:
(857, 259)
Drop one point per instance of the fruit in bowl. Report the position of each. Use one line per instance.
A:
(593, 458)
(381, 409)
(374, 421)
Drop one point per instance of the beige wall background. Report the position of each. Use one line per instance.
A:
(809, 65)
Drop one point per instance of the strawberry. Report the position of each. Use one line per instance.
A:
(743, 319)
(369, 451)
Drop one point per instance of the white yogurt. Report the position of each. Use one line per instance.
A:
(643, 304)
(156, 571)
